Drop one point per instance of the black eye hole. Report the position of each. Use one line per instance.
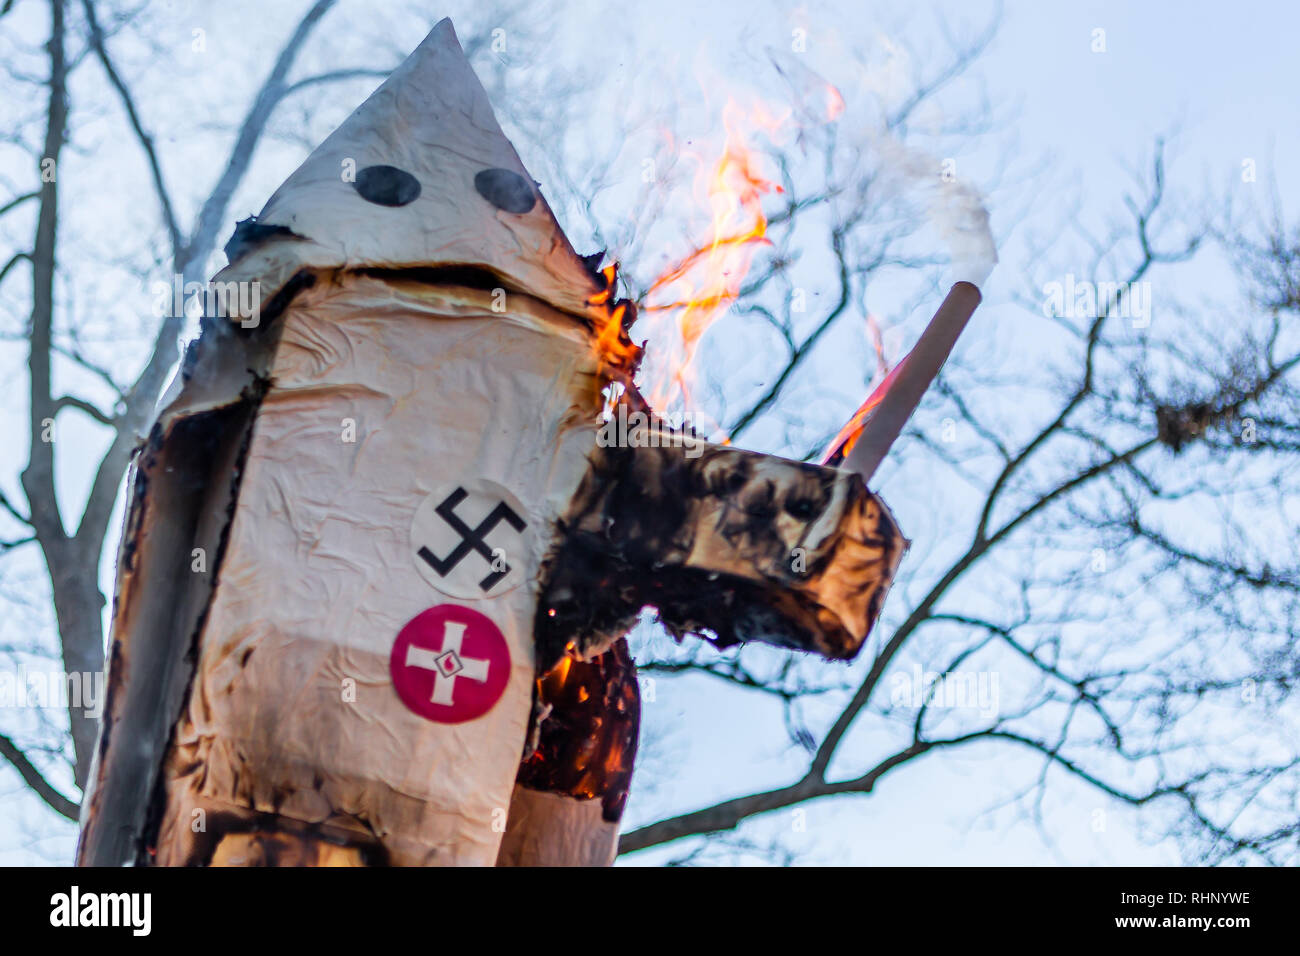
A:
(734, 482)
(506, 190)
(802, 508)
(387, 186)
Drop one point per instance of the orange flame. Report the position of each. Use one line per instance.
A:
(703, 284)
(878, 343)
(619, 357)
(847, 437)
(690, 295)
(834, 104)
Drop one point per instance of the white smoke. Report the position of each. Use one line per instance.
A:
(953, 206)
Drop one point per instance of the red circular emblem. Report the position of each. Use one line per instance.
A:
(450, 664)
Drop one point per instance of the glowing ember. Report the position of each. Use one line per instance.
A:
(843, 442)
(587, 740)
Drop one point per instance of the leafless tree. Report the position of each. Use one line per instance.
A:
(61, 345)
(1121, 553)
(1129, 568)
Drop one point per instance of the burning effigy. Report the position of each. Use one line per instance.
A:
(379, 562)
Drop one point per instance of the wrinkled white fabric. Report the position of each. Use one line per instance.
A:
(320, 574)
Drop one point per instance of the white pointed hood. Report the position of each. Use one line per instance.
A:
(420, 175)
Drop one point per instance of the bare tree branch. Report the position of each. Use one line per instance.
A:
(146, 141)
(33, 778)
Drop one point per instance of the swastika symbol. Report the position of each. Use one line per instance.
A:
(472, 539)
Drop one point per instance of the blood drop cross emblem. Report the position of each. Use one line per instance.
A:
(450, 664)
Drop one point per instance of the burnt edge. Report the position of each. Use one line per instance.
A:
(283, 840)
(621, 549)
(249, 234)
(587, 720)
(195, 442)
(485, 279)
